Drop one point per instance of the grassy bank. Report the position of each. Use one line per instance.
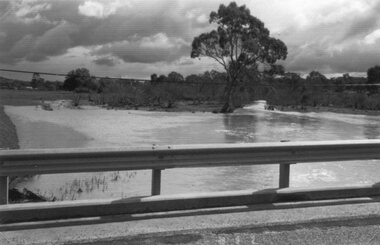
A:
(31, 98)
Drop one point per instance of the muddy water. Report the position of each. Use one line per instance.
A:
(95, 127)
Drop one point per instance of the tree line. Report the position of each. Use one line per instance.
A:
(277, 87)
(316, 90)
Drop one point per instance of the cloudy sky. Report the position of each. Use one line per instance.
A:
(135, 38)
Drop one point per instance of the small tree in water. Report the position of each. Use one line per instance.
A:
(240, 41)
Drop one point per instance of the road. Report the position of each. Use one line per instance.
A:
(351, 221)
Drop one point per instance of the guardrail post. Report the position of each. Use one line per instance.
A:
(284, 175)
(156, 182)
(4, 189)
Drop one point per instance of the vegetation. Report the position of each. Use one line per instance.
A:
(31, 97)
(162, 91)
(79, 80)
(373, 75)
(316, 90)
(280, 89)
(241, 41)
(35, 84)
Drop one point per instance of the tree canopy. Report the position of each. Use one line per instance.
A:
(175, 77)
(77, 78)
(239, 41)
(373, 77)
(373, 74)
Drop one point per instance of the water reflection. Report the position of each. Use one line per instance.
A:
(372, 131)
(240, 128)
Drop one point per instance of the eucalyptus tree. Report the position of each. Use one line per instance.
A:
(239, 42)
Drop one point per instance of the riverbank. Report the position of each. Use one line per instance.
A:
(186, 106)
(9, 140)
(8, 134)
(34, 98)
(26, 97)
(306, 109)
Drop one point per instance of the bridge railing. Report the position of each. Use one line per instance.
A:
(158, 158)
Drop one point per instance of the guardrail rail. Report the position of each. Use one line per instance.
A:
(159, 158)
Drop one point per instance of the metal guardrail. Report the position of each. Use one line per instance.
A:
(158, 158)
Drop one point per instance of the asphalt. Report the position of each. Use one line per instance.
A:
(349, 221)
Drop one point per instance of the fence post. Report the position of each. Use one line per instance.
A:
(4, 189)
(156, 182)
(284, 175)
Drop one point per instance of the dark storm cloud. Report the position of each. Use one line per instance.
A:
(350, 59)
(35, 31)
(105, 61)
(363, 24)
(336, 47)
(336, 36)
(29, 35)
(147, 50)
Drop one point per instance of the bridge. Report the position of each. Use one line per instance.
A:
(159, 158)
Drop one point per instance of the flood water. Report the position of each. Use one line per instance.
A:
(96, 127)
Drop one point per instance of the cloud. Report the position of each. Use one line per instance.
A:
(53, 27)
(105, 61)
(93, 9)
(372, 37)
(325, 35)
(27, 11)
(100, 9)
(336, 40)
(160, 40)
(151, 49)
(55, 41)
(31, 47)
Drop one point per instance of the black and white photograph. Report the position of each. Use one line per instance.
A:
(189, 122)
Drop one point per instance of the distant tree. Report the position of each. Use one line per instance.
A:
(77, 78)
(153, 78)
(292, 76)
(317, 86)
(192, 78)
(240, 41)
(37, 81)
(346, 76)
(373, 77)
(317, 79)
(373, 74)
(316, 76)
(175, 77)
(161, 79)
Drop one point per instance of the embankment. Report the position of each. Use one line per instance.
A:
(9, 140)
(8, 134)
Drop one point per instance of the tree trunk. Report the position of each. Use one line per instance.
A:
(228, 106)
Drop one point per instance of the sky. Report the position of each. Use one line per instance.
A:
(136, 38)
